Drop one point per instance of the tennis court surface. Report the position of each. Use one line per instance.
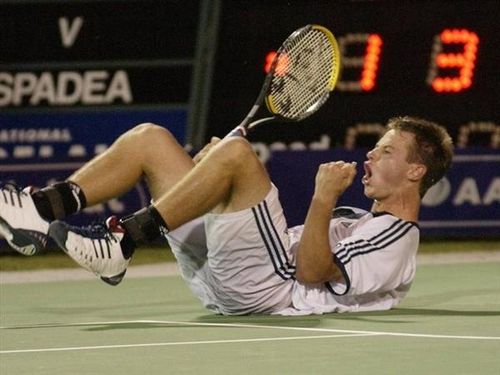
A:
(449, 324)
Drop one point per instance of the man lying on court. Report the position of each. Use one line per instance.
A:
(224, 222)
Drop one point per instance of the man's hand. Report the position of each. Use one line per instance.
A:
(332, 180)
(204, 151)
(314, 256)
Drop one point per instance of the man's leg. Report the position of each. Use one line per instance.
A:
(147, 150)
(228, 179)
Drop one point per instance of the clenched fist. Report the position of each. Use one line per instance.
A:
(332, 180)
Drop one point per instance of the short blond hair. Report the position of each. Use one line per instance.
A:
(433, 147)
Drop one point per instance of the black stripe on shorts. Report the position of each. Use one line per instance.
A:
(272, 241)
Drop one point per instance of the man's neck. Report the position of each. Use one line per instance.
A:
(404, 206)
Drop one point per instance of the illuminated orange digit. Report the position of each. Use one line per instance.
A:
(464, 62)
(369, 63)
(281, 65)
(269, 61)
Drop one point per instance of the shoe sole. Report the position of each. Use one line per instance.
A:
(114, 280)
(20, 240)
(59, 233)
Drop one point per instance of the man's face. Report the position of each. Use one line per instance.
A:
(387, 166)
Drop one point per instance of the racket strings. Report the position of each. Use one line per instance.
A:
(302, 79)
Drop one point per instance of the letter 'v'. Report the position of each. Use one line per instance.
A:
(68, 31)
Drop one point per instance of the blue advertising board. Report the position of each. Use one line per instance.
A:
(41, 148)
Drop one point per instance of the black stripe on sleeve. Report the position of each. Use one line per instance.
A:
(379, 242)
(375, 248)
(384, 232)
(362, 247)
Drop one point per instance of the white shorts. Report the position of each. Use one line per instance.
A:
(240, 262)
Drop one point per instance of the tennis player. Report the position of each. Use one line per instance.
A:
(223, 220)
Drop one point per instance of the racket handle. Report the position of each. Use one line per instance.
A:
(238, 131)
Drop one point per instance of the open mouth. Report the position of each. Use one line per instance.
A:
(368, 173)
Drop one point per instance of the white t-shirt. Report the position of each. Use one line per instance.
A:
(377, 256)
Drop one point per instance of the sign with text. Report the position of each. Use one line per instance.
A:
(466, 203)
(41, 148)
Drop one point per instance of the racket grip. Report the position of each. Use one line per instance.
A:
(238, 131)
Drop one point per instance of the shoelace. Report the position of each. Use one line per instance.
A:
(10, 185)
(10, 189)
(97, 230)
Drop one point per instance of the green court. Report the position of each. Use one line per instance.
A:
(449, 324)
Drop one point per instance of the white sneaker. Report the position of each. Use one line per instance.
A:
(97, 248)
(20, 223)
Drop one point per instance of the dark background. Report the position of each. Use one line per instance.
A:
(249, 29)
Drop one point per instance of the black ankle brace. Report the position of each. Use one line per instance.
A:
(59, 200)
(142, 226)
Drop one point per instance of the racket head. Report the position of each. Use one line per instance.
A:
(304, 71)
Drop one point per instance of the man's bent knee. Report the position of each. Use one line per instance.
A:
(150, 132)
(249, 179)
(237, 151)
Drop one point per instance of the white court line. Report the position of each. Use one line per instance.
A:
(340, 333)
(177, 343)
(346, 331)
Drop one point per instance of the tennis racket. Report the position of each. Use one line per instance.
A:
(303, 72)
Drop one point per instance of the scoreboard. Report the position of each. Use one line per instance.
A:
(434, 59)
(112, 53)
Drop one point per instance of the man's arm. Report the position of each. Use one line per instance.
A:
(314, 256)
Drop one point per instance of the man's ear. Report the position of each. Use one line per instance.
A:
(416, 171)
